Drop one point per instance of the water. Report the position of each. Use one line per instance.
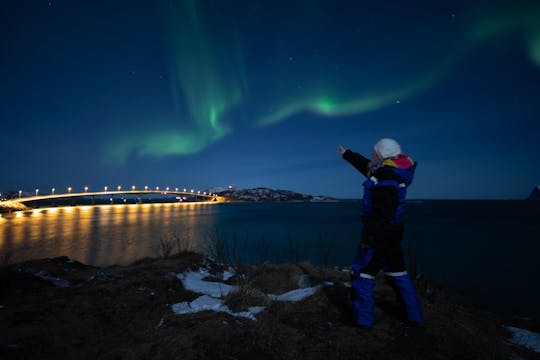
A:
(487, 249)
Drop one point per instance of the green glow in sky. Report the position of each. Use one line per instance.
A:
(334, 106)
(521, 21)
(208, 79)
(524, 21)
(534, 48)
(202, 84)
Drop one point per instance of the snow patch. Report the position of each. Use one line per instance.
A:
(525, 338)
(202, 303)
(295, 295)
(227, 274)
(205, 303)
(56, 281)
(193, 281)
(213, 291)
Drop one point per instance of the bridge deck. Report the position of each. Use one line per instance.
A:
(108, 193)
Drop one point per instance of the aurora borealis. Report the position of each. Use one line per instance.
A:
(259, 93)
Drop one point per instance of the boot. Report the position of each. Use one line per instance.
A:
(363, 306)
(407, 291)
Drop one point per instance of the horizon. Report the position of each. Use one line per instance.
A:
(409, 198)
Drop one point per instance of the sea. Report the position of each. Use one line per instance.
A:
(484, 251)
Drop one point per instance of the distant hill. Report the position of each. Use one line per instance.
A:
(535, 194)
(267, 194)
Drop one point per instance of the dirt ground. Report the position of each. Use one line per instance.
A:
(125, 313)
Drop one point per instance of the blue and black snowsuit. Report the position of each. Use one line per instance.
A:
(383, 204)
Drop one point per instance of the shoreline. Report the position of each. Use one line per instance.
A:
(128, 310)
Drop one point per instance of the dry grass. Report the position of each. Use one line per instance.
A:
(5, 256)
(245, 297)
(216, 246)
(166, 246)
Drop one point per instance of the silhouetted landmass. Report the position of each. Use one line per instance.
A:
(267, 194)
(535, 194)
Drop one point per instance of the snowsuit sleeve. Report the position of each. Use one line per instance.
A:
(358, 161)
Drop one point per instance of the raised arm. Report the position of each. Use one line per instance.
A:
(358, 161)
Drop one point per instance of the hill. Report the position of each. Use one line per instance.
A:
(266, 194)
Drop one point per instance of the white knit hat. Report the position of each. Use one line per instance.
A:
(387, 148)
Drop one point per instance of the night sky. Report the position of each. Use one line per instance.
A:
(207, 93)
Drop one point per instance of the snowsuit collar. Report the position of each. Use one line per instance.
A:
(403, 165)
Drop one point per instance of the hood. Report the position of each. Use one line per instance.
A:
(403, 166)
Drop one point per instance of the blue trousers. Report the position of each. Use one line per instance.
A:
(367, 263)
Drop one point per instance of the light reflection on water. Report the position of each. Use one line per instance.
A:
(99, 235)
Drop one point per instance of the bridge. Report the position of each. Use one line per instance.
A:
(92, 194)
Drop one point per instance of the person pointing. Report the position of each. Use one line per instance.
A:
(388, 173)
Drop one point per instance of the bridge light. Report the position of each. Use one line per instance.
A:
(157, 187)
(105, 188)
(167, 188)
(85, 188)
(37, 191)
(184, 190)
(175, 189)
(53, 189)
(69, 190)
(133, 187)
(191, 190)
(146, 188)
(119, 188)
(204, 193)
(198, 192)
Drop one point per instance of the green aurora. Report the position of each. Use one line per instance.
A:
(210, 80)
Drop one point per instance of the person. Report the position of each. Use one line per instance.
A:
(388, 173)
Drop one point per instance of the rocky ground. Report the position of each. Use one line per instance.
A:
(62, 309)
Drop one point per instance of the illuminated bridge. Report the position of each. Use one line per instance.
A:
(182, 194)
